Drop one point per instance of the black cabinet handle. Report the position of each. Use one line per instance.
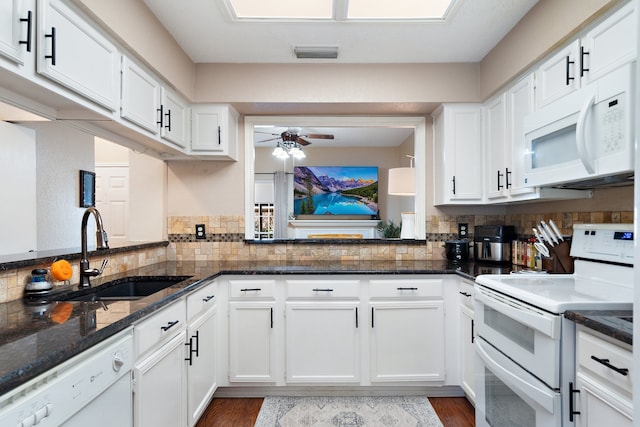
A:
(500, 186)
(169, 325)
(507, 176)
(322, 290)
(160, 115)
(168, 116)
(605, 362)
(568, 64)
(582, 55)
(29, 21)
(52, 36)
(372, 321)
(197, 338)
(472, 332)
(407, 289)
(208, 298)
(466, 294)
(271, 317)
(356, 317)
(219, 136)
(454, 184)
(250, 289)
(572, 410)
(190, 357)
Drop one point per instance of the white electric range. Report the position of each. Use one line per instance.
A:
(525, 349)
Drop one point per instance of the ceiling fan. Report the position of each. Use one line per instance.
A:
(292, 136)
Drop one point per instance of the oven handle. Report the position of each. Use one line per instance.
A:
(546, 323)
(541, 395)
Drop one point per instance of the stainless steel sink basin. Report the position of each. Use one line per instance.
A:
(128, 288)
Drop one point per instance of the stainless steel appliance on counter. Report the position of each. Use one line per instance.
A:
(493, 242)
(525, 347)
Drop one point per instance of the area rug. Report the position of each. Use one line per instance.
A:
(313, 411)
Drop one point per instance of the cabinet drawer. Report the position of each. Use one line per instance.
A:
(591, 347)
(200, 300)
(159, 327)
(402, 288)
(252, 288)
(323, 288)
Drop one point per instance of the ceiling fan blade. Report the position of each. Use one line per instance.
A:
(267, 140)
(302, 141)
(318, 136)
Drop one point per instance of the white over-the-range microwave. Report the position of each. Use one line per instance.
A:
(586, 138)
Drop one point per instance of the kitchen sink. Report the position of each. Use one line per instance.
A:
(128, 288)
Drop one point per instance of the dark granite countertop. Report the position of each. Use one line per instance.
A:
(32, 342)
(617, 324)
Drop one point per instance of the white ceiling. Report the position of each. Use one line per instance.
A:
(207, 33)
(343, 136)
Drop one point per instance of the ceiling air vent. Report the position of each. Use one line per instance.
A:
(330, 52)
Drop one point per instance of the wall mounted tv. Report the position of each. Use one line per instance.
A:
(335, 190)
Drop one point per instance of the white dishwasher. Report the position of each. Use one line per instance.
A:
(92, 388)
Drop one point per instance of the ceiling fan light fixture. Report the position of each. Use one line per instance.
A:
(297, 153)
(316, 52)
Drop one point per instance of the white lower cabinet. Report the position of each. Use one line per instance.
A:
(466, 338)
(406, 323)
(251, 349)
(201, 351)
(323, 342)
(159, 397)
(603, 389)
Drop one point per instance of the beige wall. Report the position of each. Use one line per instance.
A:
(133, 24)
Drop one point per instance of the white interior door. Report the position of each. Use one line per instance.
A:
(112, 200)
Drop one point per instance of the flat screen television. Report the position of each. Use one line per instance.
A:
(335, 190)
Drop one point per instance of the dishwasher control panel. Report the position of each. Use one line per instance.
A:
(57, 395)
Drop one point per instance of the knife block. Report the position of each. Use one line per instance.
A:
(559, 260)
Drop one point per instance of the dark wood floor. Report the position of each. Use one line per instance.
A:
(223, 412)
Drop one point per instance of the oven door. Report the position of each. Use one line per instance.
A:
(507, 395)
(524, 333)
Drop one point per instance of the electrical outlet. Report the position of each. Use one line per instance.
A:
(463, 230)
(200, 231)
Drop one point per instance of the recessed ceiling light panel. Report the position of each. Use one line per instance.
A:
(399, 9)
(282, 9)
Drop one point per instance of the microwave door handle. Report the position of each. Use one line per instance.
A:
(581, 137)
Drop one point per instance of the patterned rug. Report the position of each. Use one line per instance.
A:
(379, 411)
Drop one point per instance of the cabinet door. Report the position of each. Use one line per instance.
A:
(251, 352)
(407, 341)
(457, 131)
(201, 364)
(498, 169)
(74, 54)
(323, 342)
(214, 131)
(175, 119)
(468, 354)
(520, 103)
(559, 75)
(599, 406)
(159, 396)
(140, 97)
(610, 44)
(15, 22)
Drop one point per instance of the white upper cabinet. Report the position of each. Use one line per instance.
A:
(72, 53)
(498, 163)
(140, 96)
(17, 30)
(214, 131)
(457, 141)
(174, 118)
(602, 49)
